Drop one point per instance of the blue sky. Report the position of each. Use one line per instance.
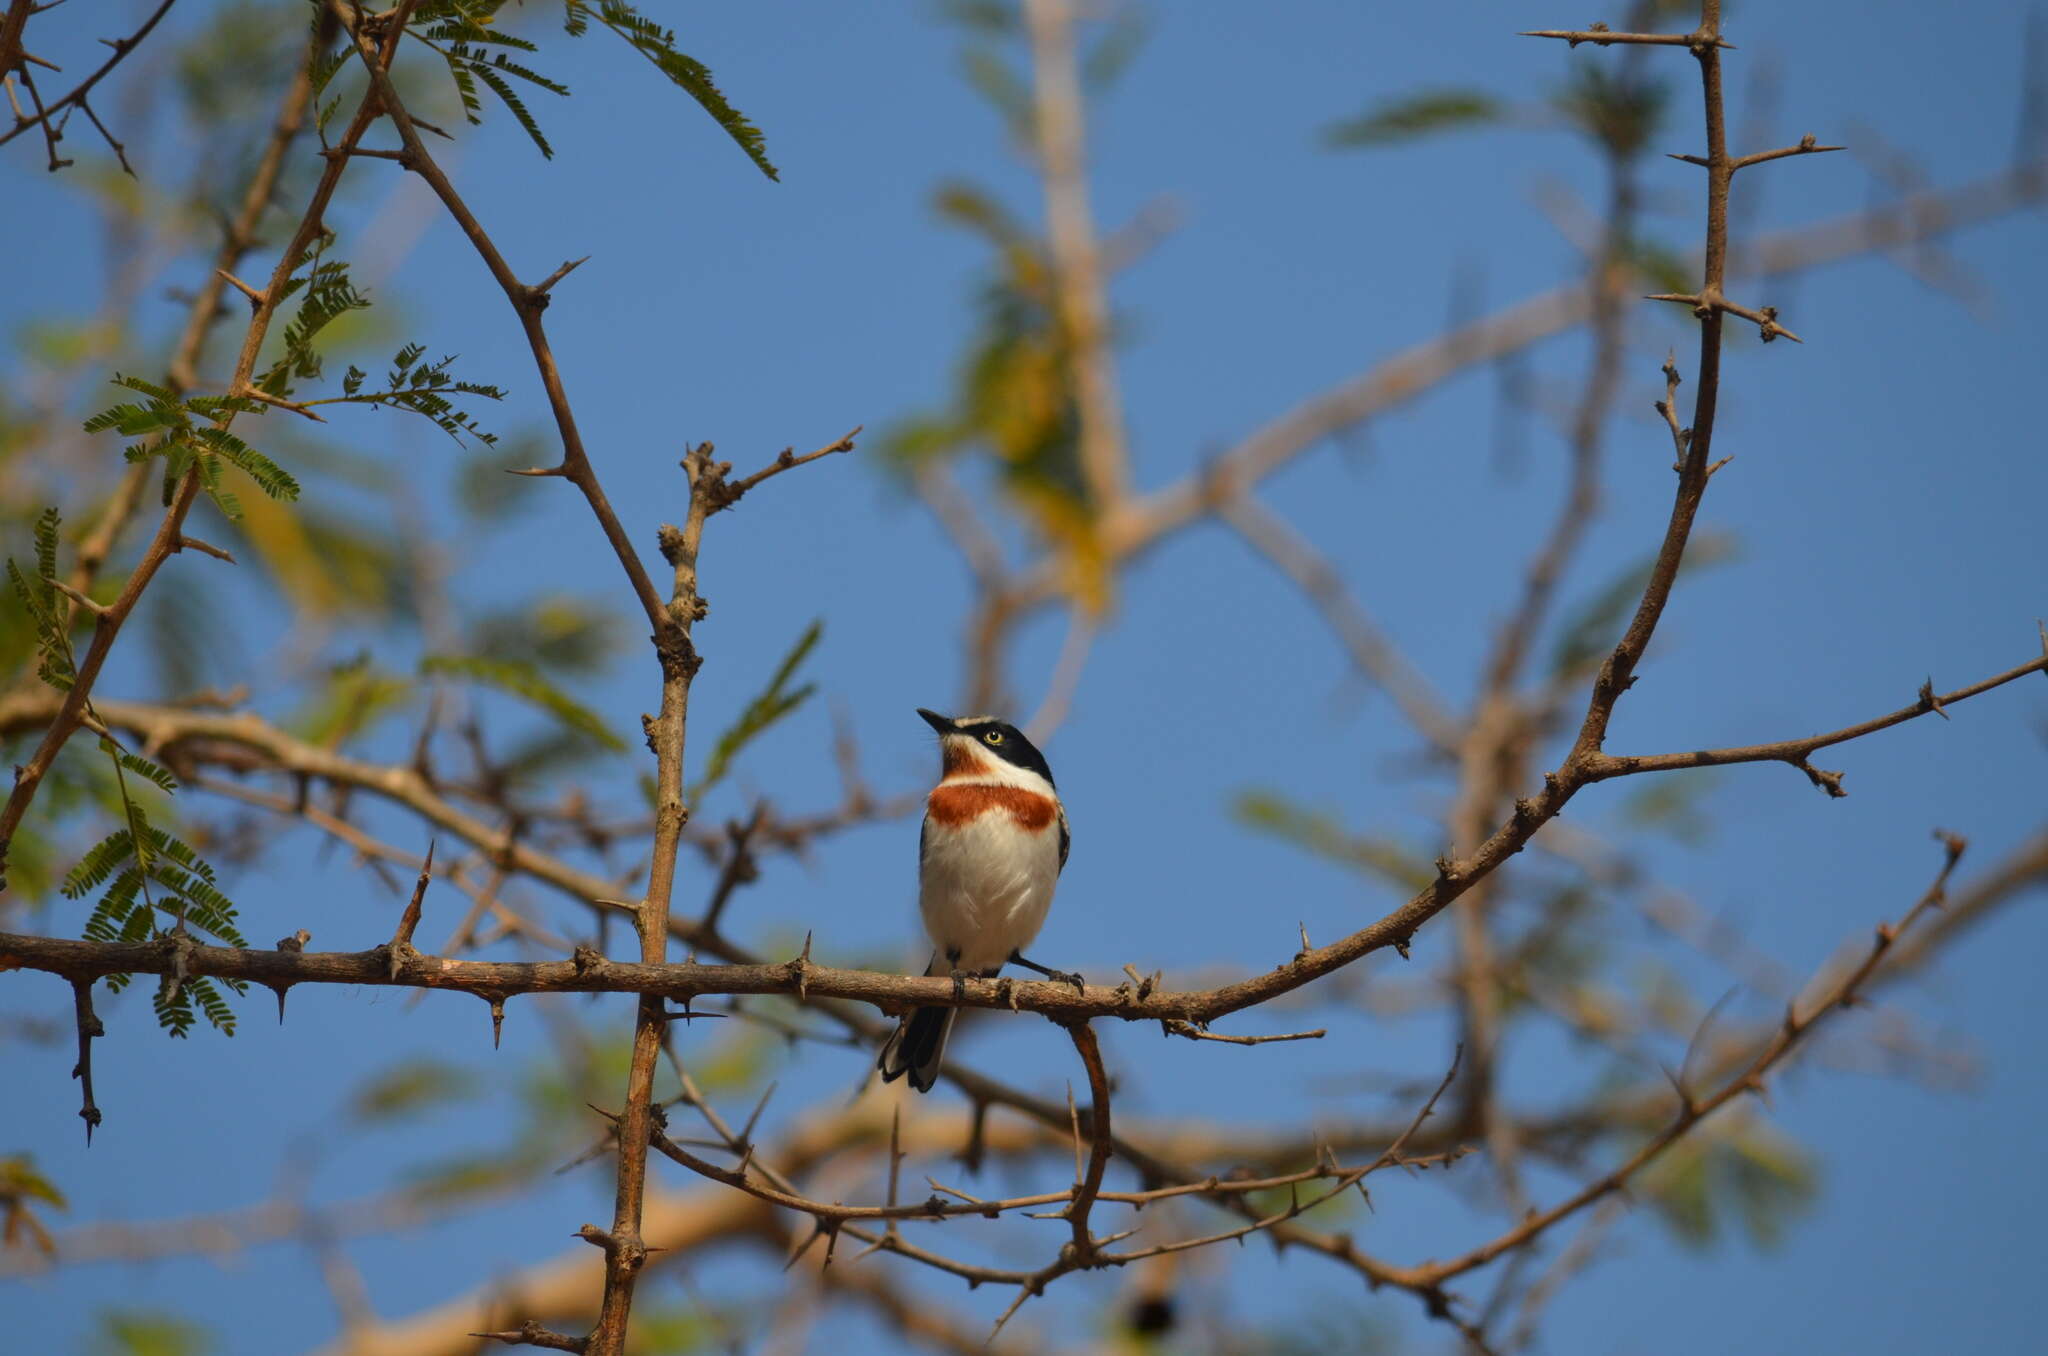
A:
(1885, 499)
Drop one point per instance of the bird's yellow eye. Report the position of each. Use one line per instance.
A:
(994, 736)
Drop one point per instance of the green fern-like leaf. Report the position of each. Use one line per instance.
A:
(326, 67)
(148, 388)
(138, 925)
(423, 389)
(144, 1332)
(526, 682)
(131, 860)
(223, 498)
(132, 419)
(773, 703)
(214, 406)
(465, 89)
(413, 1086)
(173, 1005)
(1413, 116)
(115, 917)
(658, 45)
(509, 97)
(212, 1004)
(140, 766)
(1319, 833)
(198, 903)
(271, 478)
(99, 862)
(48, 611)
(47, 524)
(329, 295)
(37, 599)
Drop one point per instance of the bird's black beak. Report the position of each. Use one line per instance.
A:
(943, 724)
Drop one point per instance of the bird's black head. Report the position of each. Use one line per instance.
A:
(995, 738)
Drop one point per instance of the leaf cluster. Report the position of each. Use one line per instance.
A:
(463, 34)
(48, 611)
(135, 1332)
(1619, 107)
(1316, 832)
(770, 705)
(423, 389)
(141, 870)
(1615, 105)
(325, 294)
(20, 1187)
(990, 25)
(1014, 397)
(1409, 117)
(479, 54)
(190, 434)
(528, 683)
(685, 72)
(1742, 1168)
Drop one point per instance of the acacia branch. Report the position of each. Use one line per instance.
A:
(1749, 1079)
(1493, 752)
(169, 538)
(1406, 376)
(10, 53)
(11, 25)
(1797, 751)
(1077, 268)
(528, 303)
(624, 1246)
(78, 959)
(1600, 35)
(555, 1289)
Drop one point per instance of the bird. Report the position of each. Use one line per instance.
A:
(991, 851)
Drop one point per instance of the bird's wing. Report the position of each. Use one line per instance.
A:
(1066, 838)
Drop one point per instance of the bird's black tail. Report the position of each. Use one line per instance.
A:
(918, 1047)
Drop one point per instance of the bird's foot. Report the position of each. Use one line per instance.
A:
(1056, 976)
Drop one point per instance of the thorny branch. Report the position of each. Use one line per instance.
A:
(11, 55)
(623, 1246)
(1406, 376)
(170, 538)
(1490, 748)
(1692, 1110)
(679, 982)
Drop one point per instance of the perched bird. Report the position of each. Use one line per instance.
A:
(992, 848)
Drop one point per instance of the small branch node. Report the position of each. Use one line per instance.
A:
(257, 297)
(400, 948)
(800, 970)
(1830, 782)
(497, 1002)
(188, 542)
(92, 608)
(532, 1334)
(537, 295)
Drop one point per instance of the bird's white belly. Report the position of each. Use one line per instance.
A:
(984, 890)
